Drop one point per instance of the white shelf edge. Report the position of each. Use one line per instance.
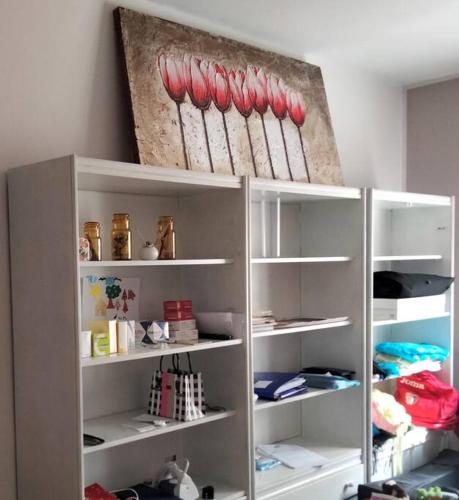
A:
(414, 198)
(110, 168)
(319, 190)
(286, 260)
(133, 436)
(156, 263)
(387, 322)
(165, 350)
(261, 404)
(389, 258)
(300, 329)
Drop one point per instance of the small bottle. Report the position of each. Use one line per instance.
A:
(121, 237)
(165, 242)
(92, 233)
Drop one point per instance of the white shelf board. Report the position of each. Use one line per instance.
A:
(118, 177)
(112, 428)
(142, 352)
(391, 321)
(271, 482)
(301, 329)
(288, 260)
(156, 263)
(263, 404)
(390, 258)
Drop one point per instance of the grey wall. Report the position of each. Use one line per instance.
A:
(60, 93)
(433, 150)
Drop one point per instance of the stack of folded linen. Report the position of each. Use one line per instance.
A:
(406, 358)
(328, 378)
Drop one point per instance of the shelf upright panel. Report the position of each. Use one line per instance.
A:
(409, 232)
(45, 291)
(279, 234)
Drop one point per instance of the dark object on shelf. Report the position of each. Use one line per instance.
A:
(215, 336)
(208, 492)
(89, 440)
(146, 492)
(323, 370)
(393, 285)
(378, 371)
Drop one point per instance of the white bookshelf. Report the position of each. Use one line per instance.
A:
(232, 234)
(67, 395)
(409, 232)
(317, 234)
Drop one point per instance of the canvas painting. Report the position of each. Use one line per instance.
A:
(207, 103)
(109, 297)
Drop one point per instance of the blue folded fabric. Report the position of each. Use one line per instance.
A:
(391, 369)
(320, 381)
(413, 352)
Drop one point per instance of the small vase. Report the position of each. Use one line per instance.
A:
(149, 252)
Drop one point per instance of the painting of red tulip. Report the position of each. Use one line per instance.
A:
(206, 103)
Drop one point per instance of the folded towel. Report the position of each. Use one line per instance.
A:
(413, 352)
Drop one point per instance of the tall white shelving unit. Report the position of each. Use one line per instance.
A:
(59, 396)
(307, 260)
(243, 245)
(409, 232)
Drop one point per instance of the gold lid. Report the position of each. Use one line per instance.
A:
(120, 221)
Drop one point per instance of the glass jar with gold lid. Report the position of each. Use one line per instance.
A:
(92, 233)
(121, 237)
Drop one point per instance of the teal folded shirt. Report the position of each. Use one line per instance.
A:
(413, 352)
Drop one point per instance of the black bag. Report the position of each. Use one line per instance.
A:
(393, 285)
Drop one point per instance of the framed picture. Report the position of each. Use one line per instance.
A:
(207, 103)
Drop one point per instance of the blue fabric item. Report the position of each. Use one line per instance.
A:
(328, 381)
(391, 369)
(375, 430)
(413, 352)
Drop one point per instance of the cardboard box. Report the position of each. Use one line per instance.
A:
(100, 344)
(177, 315)
(184, 335)
(407, 309)
(185, 324)
(109, 327)
(177, 305)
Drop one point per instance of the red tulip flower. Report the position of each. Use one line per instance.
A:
(277, 97)
(195, 72)
(172, 74)
(257, 85)
(297, 112)
(171, 71)
(196, 81)
(239, 92)
(217, 80)
(296, 107)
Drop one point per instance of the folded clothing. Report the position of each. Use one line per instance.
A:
(386, 413)
(394, 285)
(396, 366)
(328, 381)
(413, 352)
(278, 385)
(430, 402)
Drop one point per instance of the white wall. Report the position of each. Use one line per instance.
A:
(60, 92)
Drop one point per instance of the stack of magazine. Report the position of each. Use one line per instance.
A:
(265, 321)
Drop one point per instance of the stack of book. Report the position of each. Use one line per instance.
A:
(182, 325)
(263, 321)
